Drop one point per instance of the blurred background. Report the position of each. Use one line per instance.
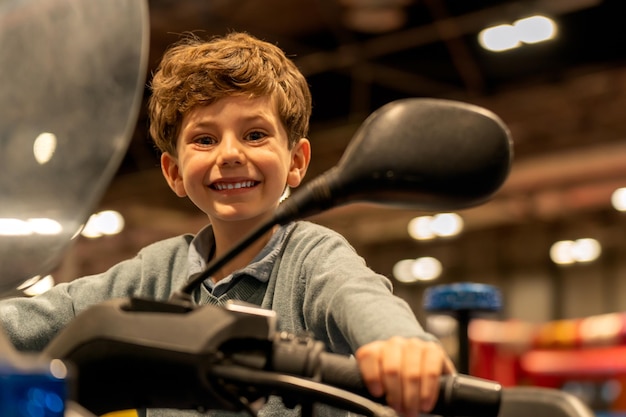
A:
(556, 75)
(564, 100)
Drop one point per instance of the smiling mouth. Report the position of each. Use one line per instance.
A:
(222, 186)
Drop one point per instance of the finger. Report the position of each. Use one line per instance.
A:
(411, 378)
(392, 366)
(435, 361)
(369, 366)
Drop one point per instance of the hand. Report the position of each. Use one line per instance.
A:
(405, 371)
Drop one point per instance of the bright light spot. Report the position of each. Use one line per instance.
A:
(19, 227)
(39, 287)
(618, 199)
(420, 269)
(499, 38)
(44, 147)
(426, 269)
(90, 229)
(45, 226)
(440, 225)
(447, 224)
(535, 29)
(403, 270)
(529, 30)
(111, 222)
(108, 222)
(586, 250)
(567, 252)
(14, 227)
(419, 228)
(560, 252)
(58, 369)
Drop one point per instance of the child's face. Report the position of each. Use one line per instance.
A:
(234, 160)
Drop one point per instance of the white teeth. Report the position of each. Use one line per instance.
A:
(231, 186)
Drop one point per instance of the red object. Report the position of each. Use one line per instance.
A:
(590, 351)
(576, 363)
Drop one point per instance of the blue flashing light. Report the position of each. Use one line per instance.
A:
(31, 393)
(463, 296)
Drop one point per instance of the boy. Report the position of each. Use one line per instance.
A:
(231, 118)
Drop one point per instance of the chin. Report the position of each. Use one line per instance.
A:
(242, 217)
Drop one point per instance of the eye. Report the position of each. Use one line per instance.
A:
(255, 136)
(204, 140)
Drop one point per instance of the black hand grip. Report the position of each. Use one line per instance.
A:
(459, 395)
(463, 395)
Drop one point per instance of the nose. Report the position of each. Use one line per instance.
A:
(230, 151)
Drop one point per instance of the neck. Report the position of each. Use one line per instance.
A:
(227, 235)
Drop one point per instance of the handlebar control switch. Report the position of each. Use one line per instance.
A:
(297, 355)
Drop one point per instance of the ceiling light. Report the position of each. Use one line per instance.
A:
(618, 199)
(14, 227)
(107, 222)
(586, 250)
(529, 30)
(421, 269)
(44, 146)
(426, 268)
(499, 38)
(567, 252)
(535, 29)
(402, 270)
(45, 226)
(447, 224)
(419, 228)
(439, 225)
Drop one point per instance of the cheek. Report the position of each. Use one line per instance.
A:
(275, 176)
(192, 178)
(194, 166)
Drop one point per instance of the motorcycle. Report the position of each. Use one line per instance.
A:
(427, 154)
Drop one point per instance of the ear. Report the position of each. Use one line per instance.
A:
(171, 172)
(300, 158)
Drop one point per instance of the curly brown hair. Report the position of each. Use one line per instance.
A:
(199, 72)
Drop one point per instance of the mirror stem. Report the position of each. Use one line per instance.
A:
(184, 294)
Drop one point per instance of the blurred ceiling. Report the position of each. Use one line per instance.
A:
(563, 100)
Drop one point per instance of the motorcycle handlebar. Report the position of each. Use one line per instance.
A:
(223, 355)
(304, 357)
(458, 394)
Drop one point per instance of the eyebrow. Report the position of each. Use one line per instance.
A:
(242, 119)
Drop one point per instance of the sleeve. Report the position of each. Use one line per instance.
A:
(346, 302)
(31, 323)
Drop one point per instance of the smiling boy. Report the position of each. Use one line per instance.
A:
(233, 160)
(231, 117)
